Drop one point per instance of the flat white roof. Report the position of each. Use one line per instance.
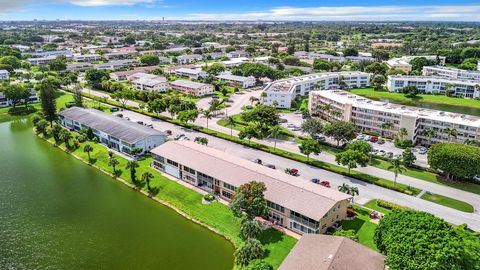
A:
(188, 84)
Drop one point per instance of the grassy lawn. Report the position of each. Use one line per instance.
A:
(448, 202)
(362, 226)
(372, 204)
(215, 215)
(438, 99)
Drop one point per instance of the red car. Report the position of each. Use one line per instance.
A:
(373, 139)
(325, 184)
(293, 172)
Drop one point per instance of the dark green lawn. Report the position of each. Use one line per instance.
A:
(362, 226)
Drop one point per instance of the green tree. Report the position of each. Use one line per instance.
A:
(48, 89)
(214, 69)
(231, 123)
(396, 166)
(402, 133)
(201, 140)
(274, 132)
(455, 160)
(249, 132)
(249, 229)
(309, 146)
(149, 60)
(250, 199)
(419, 240)
(147, 177)
(188, 116)
(429, 133)
(350, 234)
(113, 162)
(350, 52)
(157, 105)
(208, 114)
(259, 265)
(408, 157)
(58, 64)
(17, 93)
(312, 126)
(87, 148)
(451, 133)
(377, 68)
(11, 61)
(77, 97)
(123, 96)
(340, 131)
(264, 116)
(132, 165)
(351, 159)
(41, 126)
(251, 250)
(361, 146)
(410, 91)
(386, 126)
(95, 77)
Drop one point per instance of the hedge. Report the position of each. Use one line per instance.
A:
(296, 157)
(390, 205)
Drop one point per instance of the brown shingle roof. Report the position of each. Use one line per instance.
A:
(325, 252)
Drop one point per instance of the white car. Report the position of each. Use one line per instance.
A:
(476, 178)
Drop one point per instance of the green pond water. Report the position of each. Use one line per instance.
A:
(58, 213)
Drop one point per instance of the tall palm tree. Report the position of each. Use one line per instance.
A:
(396, 165)
(429, 133)
(207, 114)
(353, 191)
(274, 131)
(451, 133)
(132, 165)
(87, 148)
(113, 162)
(253, 99)
(386, 126)
(230, 123)
(402, 133)
(344, 188)
(147, 176)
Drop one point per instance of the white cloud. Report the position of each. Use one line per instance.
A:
(351, 13)
(96, 3)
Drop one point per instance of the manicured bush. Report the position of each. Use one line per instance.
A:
(209, 197)
(391, 206)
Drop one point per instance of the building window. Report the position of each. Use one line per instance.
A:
(227, 194)
(230, 187)
(189, 170)
(171, 162)
(276, 207)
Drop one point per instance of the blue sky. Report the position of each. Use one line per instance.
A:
(340, 10)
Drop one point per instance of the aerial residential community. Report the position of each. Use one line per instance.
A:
(158, 135)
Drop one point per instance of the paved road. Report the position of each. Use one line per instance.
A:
(367, 191)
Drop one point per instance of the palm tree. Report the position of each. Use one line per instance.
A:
(336, 113)
(207, 114)
(113, 162)
(274, 131)
(147, 176)
(396, 165)
(231, 123)
(451, 132)
(402, 133)
(87, 148)
(386, 126)
(132, 165)
(353, 191)
(65, 136)
(429, 133)
(253, 99)
(344, 188)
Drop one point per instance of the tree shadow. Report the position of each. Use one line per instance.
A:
(270, 236)
(93, 160)
(117, 172)
(152, 192)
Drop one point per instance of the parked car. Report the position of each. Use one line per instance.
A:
(381, 141)
(381, 153)
(120, 115)
(150, 125)
(179, 136)
(282, 120)
(325, 184)
(140, 122)
(292, 171)
(127, 118)
(114, 109)
(296, 129)
(319, 138)
(367, 138)
(373, 139)
(271, 166)
(169, 132)
(422, 150)
(476, 178)
(360, 137)
(315, 180)
(258, 161)
(389, 155)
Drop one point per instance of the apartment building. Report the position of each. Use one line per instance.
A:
(117, 64)
(41, 61)
(233, 80)
(4, 74)
(403, 63)
(452, 73)
(79, 67)
(189, 58)
(237, 54)
(192, 73)
(149, 82)
(116, 133)
(120, 76)
(369, 116)
(66, 53)
(192, 88)
(86, 57)
(6, 102)
(300, 206)
(282, 93)
(435, 85)
(121, 54)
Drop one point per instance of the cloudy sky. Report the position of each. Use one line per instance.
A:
(340, 10)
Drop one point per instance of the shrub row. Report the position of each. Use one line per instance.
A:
(390, 205)
(296, 157)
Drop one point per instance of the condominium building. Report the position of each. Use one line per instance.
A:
(189, 58)
(6, 102)
(117, 133)
(86, 57)
(66, 53)
(283, 92)
(452, 73)
(40, 61)
(371, 117)
(149, 82)
(79, 67)
(192, 88)
(435, 85)
(192, 73)
(123, 75)
(244, 82)
(301, 206)
(117, 64)
(4, 74)
(121, 54)
(403, 63)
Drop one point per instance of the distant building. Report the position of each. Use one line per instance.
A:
(149, 82)
(117, 133)
(237, 54)
(192, 88)
(326, 252)
(117, 64)
(192, 73)
(66, 53)
(189, 58)
(403, 63)
(233, 80)
(86, 57)
(6, 102)
(4, 74)
(300, 206)
(452, 73)
(435, 85)
(120, 76)
(369, 116)
(41, 61)
(283, 92)
(79, 67)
